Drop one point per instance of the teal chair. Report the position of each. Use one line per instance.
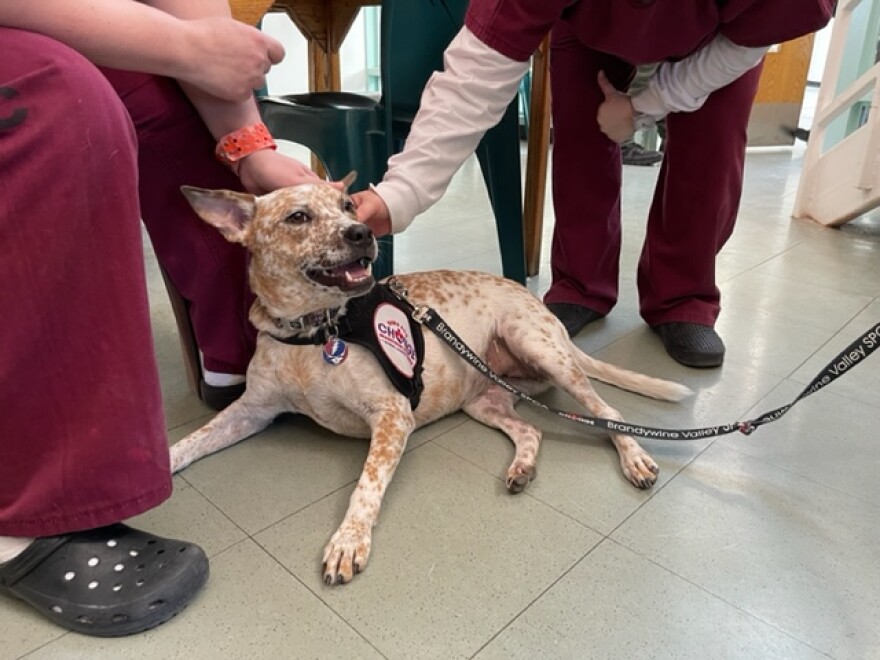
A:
(354, 132)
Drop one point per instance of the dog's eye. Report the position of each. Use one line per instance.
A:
(348, 206)
(297, 218)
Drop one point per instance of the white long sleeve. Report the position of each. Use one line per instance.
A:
(683, 86)
(470, 95)
(458, 106)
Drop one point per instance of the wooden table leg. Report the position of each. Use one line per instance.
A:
(536, 160)
(324, 75)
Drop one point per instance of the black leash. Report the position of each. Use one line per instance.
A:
(848, 358)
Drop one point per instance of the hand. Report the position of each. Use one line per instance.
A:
(616, 116)
(228, 59)
(267, 170)
(371, 210)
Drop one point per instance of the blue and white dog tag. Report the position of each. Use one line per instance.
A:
(335, 351)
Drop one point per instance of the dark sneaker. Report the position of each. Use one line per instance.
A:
(632, 153)
(574, 317)
(691, 344)
(219, 397)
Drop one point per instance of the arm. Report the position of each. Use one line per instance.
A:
(218, 61)
(263, 170)
(457, 107)
(124, 34)
(681, 86)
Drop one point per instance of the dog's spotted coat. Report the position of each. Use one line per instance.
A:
(298, 238)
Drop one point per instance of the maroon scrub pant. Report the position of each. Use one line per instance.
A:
(696, 198)
(84, 155)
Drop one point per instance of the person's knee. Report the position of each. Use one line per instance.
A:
(70, 108)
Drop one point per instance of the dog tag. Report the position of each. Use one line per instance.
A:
(335, 351)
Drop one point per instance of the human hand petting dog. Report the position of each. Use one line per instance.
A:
(616, 115)
(371, 210)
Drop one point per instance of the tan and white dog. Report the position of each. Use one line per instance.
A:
(309, 257)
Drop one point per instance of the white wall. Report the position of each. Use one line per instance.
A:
(291, 76)
(820, 53)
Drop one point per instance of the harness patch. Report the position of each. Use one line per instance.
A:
(394, 333)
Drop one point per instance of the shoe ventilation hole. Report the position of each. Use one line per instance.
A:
(118, 568)
(57, 609)
(182, 548)
(140, 567)
(119, 618)
(140, 582)
(69, 575)
(151, 542)
(133, 553)
(111, 543)
(93, 584)
(94, 561)
(84, 619)
(155, 604)
(160, 552)
(117, 587)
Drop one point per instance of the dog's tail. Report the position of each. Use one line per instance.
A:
(656, 388)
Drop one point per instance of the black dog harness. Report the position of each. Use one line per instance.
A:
(380, 322)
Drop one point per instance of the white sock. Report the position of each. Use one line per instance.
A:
(12, 546)
(222, 380)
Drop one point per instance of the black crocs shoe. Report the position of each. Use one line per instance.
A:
(691, 344)
(574, 317)
(107, 582)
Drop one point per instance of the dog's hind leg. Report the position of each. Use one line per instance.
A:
(547, 351)
(495, 408)
(237, 422)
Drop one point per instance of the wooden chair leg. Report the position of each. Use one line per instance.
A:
(185, 332)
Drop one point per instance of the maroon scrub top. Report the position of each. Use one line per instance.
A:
(643, 31)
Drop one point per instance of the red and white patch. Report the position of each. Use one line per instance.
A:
(393, 331)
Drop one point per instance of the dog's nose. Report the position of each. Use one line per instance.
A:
(358, 235)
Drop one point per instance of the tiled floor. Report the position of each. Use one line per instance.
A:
(748, 547)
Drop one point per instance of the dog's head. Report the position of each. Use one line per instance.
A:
(308, 250)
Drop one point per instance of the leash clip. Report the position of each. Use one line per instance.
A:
(421, 313)
(397, 288)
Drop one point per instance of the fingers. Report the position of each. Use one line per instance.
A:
(371, 211)
(605, 85)
(275, 50)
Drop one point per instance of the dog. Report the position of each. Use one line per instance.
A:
(310, 262)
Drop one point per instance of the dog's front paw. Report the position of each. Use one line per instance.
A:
(347, 553)
(639, 468)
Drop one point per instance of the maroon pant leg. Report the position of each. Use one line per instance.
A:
(586, 177)
(175, 149)
(82, 434)
(695, 206)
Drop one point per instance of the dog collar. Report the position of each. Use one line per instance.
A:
(378, 321)
(312, 328)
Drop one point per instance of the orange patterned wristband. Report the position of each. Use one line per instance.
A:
(236, 145)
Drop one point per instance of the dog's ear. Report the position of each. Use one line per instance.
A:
(228, 211)
(348, 180)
